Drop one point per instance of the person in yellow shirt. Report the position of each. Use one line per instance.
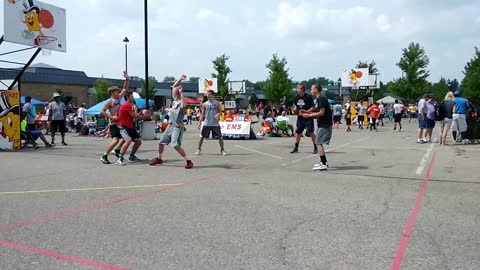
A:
(412, 111)
(189, 115)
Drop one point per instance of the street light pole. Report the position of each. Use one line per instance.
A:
(146, 52)
(125, 40)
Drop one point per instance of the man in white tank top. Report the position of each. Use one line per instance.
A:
(113, 105)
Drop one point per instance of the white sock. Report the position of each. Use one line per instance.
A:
(159, 156)
(186, 158)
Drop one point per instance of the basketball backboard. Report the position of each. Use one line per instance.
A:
(34, 23)
(207, 84)
(355, 78)
(237, 87)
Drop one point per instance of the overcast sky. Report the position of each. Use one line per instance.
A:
(318, 38)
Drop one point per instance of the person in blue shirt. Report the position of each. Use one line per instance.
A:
(459, 116)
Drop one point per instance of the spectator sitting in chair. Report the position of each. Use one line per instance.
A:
(229, 117)
(289, 126)
(32, 135)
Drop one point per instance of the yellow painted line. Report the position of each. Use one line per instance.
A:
(84, 189)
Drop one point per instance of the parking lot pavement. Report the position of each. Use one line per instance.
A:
(384, 200)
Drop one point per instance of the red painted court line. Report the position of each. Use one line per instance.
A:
(413, 217)
(60, 256)
(101, 205)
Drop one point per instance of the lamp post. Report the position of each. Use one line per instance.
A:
(340, 87)
(145, 24)
(125, 40)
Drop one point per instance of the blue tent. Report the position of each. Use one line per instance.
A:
(95, 110)
(35, 102)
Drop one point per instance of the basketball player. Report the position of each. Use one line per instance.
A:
(173, 133)
(113, 106)
(210, 113)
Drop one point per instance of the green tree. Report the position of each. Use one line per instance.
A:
(259, 85)
(330, 95)
(471, 83)
(151, 88)
(278, 83)
(372, 68)
(101, 86)
(320, 81)
(222, 69)
(253, 100)
(440, 89)
(414, 64)
(169, 79)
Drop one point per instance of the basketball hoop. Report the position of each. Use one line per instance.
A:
(43, 40)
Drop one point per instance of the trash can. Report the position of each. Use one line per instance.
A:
(148, 131)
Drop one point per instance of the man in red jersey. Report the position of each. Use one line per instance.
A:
(126, 117)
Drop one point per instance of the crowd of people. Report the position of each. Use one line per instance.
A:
(451, 114)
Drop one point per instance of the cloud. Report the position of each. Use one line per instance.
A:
(316, 46)
(290, 18)
(477, 20)
(383, 24)
(205, 13)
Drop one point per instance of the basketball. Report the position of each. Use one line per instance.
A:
(45, 18)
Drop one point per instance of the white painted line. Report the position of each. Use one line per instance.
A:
(274, 142)
(384, 148)
(258, 152)
(424, 160)
(326, 151)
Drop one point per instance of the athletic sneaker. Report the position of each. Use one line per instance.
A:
(133, 158)
(198, 152)
(189, 164)
(120, 162)
(295, 150)
(35, 146)
(315, 151)
(105, 160)
(116, 152)
(420, 141)
(318, 164)
(64, 143)
(320, 167)
(48, 145)
(155, 161)
(223, 153)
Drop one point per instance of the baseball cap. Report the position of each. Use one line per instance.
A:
(56, 95)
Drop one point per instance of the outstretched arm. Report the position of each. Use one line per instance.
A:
(125, 84)
(179, 81)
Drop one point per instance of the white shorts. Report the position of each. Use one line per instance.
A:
(459, 123)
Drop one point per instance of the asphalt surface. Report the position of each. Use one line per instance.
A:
(260, 207)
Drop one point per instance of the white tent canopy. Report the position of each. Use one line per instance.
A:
(387, 100)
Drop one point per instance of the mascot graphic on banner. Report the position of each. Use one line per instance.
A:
(9, 120)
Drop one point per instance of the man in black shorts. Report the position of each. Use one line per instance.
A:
(113, 106)
(125, 121)
(304, 103)
(56, 117)
(210, 114)
(323, 114)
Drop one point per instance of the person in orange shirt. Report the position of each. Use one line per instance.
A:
(229, 117)
(374, 114)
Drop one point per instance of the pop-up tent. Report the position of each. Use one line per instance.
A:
(34, 102)
(387, 100)
(95, 110)
(191, 101)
